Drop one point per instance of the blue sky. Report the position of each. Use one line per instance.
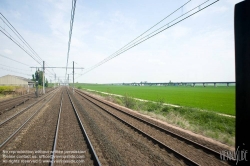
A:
(200, 48)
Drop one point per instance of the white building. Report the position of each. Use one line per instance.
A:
(10, 80)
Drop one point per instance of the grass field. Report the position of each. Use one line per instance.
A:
(220, 99)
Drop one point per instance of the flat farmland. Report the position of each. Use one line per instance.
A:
(219, 99)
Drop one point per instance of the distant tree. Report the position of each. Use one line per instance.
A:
(33, 77)
(170, 82)
(46, 83)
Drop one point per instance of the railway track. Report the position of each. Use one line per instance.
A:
(13, 124)
(6, 100)
(12, 103)
(189, 151)
(9, 104)
(22, 111)
(70, 135)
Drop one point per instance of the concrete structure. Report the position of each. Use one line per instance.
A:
(11, 80)
(193, 84)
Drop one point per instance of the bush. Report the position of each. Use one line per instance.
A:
(166, 109)
(118, 101)
(129, 101)
(152, 106)
(6, 88)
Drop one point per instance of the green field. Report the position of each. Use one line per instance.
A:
(219, 99)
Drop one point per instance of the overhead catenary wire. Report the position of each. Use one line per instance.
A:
(129, 46)
(12, 37)
(13, 67)
(15, 71)
(14, 60)
(138, 41)
(20, 47)
(16, 42)
(150, 35)
(70, 31)
(13, 29)
(20, 63)
(149, 29)
(168, 24)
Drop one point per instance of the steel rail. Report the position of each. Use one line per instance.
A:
(28, 95)
(92, 151)
(23, 110)
(8, 100)
(12, 104)
(167, 148)
(204, 148)
(15, 132)
(56, 135)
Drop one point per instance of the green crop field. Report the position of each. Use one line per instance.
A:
(220, 99)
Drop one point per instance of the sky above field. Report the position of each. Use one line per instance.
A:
(200, 48)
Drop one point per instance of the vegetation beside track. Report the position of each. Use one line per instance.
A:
(207, 123)
(6, 88)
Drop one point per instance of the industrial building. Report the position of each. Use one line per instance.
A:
(11, 80)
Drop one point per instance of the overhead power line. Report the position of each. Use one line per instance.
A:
(14, 60)
(16, 42)
(150, 28)
(14, 67)
(13, 29)
(70, 31)
(20, 47)
(136, 42)
(32, 52)
(15, 71)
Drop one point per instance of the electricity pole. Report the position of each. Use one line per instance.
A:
(73, 78)
(43, 78)
(55, 81)
(55, 75)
